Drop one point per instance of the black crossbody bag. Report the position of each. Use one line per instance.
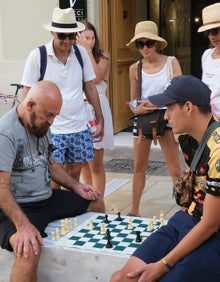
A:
(151, 125)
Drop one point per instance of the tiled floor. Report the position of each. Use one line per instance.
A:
(157, 194)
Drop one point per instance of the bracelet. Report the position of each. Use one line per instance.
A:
(168, 266)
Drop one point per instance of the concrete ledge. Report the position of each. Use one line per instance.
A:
(68, 264)
(60, 264)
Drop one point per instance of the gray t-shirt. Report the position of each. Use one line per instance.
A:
(26, 158)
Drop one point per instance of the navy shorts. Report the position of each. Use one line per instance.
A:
(202, 265)
(60, 205)
(73, 147)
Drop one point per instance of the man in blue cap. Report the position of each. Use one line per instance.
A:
(188, 247)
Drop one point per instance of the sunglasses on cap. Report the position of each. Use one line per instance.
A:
(213, 31)
(148, 44)
(63, 36)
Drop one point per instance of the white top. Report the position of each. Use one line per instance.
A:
(108, 139)
(68, 77)
(211, 76)
(153, 84)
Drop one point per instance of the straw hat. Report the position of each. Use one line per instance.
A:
(210, 17)
(149, 30)
(64, 20)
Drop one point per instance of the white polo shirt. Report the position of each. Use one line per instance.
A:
(68, 78)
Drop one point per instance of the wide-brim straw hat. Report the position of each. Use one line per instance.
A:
(64, 20)
(210, 17)
(149, 30)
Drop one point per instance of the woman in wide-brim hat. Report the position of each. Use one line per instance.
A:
(149, 30)
(157, 70)
(211, 56)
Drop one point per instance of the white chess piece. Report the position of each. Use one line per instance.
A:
(57, 233)
(75, 223)
(103, 228)
(130, 225)
(53, 236)
(90, 224)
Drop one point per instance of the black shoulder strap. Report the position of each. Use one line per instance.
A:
(43, 61)
(139, 76)
(203, 143)
(78, 55)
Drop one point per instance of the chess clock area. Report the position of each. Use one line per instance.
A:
(89, 247)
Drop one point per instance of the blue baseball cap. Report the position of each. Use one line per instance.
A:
(181, 89)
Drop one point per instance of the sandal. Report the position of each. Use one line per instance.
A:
(134, 215)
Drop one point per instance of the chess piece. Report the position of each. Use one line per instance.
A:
(150, 226)
(161, 215)
(102, 229)
(106, 219)
(108, 234)
(162, 222)
(130, 225)
(75, 222)
(154, 220)
(57, 234)
(90, 224)
(138, 236)
(108, 244)
(53, 236)
(119, 217)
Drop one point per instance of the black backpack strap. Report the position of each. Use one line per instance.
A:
(43, 61)
(78, 55)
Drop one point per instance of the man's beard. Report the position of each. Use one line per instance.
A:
(38, 131)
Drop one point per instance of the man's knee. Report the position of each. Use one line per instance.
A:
(96, 206)
(25, 269)
(117, 277)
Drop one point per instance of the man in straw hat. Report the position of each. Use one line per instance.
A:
(70, 134)
(187, 248)
(156, 71)
(211, 56)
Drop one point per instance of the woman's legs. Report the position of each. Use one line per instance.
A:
(141, 156)
(170, 149)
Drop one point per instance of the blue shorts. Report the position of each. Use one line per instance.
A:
(60, 205)
(73, 147)
(202, 265)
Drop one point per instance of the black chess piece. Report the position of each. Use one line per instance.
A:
(138, 237)
(119, 217)
(108, 234)
(108, 244)
(106, 219)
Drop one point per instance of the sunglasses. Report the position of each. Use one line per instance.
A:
(148, 44)
(213, 31)
(63, 36)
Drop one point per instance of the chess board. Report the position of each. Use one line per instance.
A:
(123, 240)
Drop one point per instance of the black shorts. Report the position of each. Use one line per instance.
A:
(60, 205)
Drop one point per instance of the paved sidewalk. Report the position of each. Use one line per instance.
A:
(157, 195)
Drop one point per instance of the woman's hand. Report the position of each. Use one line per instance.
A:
(144, 107)
(83, 41)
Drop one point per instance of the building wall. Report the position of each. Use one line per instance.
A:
(21, 31)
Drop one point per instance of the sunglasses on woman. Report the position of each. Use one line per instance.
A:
(63, 36)
(213, 31)
(148, 44)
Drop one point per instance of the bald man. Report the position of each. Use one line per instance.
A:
(27, 202)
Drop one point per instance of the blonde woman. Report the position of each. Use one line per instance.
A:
(156, 73)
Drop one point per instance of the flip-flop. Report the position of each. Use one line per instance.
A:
(134, 215)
